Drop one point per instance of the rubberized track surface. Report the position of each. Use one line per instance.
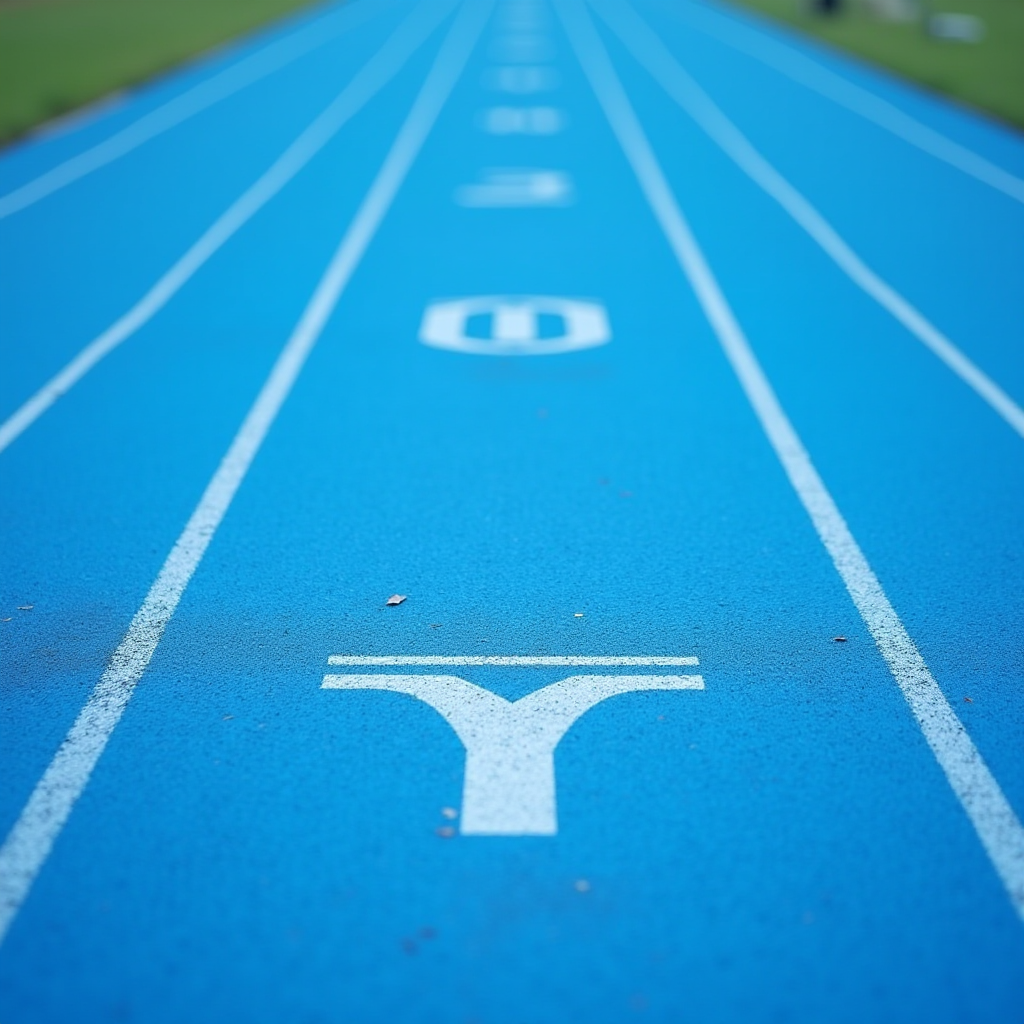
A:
(671, 369)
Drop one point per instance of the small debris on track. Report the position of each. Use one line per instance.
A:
(395, 599)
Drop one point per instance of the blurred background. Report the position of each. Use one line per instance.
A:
(58, 56)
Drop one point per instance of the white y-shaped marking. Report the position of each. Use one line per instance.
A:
(812, 75)
(648, 49)
(509, 785)
(30, 840)
(373, 76)
(191, 102)
(975, 787)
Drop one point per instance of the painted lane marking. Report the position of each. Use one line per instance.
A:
(367, 82)
(511, 661)
(974, 785)
(191, 102)
(523, 120)
(820, 79)
(518, 187)
(514, 325)
(30, 840)
(521, 81)
(666, 70)
(509, 782)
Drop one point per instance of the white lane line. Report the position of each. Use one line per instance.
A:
(855, 98)
(979, 793)
(525, 661)
(169, 115)
(368, 81)
(30, 840)
(649, 51)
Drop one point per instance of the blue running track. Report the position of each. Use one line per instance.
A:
(665, 371)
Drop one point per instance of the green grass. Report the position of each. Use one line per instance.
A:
(56, 55)
(988, 75)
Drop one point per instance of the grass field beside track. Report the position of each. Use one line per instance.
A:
(58, 55)
(987, 75)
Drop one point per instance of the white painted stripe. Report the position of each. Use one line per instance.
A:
(368, 81)
(524, 661)
(808, 72)
(972, 782)
(648, 49)
(31, 839)
(193, 101)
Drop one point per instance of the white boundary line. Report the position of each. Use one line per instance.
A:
(650, 52)
(246, 72)
(809, 73)
(511, 661)
(366, 83)
(978, 791)
(30, 840)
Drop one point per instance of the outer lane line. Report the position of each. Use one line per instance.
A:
(807, 72)
(30, 840)
(205, 94)
(525, 661)
(650, 52)
(366, 83)
(975, 787)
